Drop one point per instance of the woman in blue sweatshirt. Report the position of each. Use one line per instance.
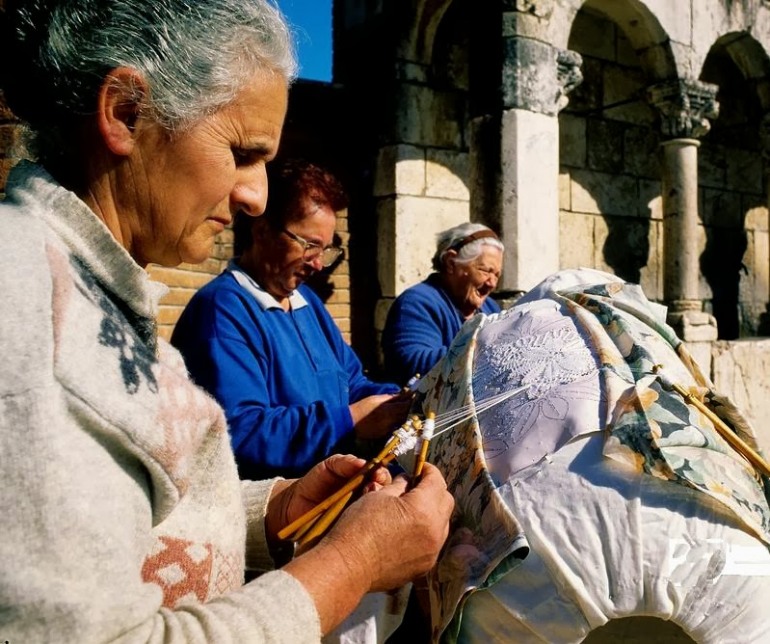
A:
(262, 343)
(424, 319)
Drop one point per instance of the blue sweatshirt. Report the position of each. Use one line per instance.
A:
(284, 379)
(421, 324)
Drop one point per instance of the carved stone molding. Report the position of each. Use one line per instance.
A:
(568, 74)
(537, 77)
(685, 107)
(539, 8)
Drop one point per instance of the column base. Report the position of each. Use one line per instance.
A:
(693, 326)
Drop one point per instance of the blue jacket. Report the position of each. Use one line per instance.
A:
(421, 324)
(284, 379)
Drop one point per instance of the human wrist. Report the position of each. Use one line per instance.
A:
(276, 516)
(335, 578)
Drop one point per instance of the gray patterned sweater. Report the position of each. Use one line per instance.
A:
(122, 516)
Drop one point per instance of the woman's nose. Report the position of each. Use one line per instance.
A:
(250, 191)
(316, 263)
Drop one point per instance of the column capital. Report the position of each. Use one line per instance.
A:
(538, 8)
(537, 76)
(685, 107)
(568, 74)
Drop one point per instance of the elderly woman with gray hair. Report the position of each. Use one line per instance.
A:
(123, 515)
(424, 319)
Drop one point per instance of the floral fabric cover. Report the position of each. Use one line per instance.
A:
(584, 345)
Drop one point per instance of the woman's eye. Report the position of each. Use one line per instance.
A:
(244, 157)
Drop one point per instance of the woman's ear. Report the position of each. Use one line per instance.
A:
(118, 107)
(449, 261)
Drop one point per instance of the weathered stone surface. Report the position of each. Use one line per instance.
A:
(756, 215)
(722, 209)
(693, 326)
(537, 76)
(745, 171)
(577, 234)
(604, 145)
(429, 117)
(686, 107)
(565, 201)
(641, 152)
(412, 223)
(624, 96)
(701, 353)
(593, 36)
(572, 140)
(650, 200)
(446, 175)
(624, 51)
(675, 18)
(603, 193)
(400, 170)
(530, 213)
(652, 272)
(740, 370)
(712, 165)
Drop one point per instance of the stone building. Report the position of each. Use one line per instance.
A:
(626, 135)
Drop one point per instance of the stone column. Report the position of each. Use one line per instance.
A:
(515, 158)
(685, 107)
(764, 140)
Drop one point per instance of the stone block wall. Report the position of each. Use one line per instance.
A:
(419, 192)
(610, 177)
(610, 183)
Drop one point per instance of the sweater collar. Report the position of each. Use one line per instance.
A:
(263, 298)
(86, 236)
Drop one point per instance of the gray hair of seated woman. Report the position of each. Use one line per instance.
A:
(446, 239)
(195, 56)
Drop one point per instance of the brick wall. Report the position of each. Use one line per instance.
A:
(184, 280)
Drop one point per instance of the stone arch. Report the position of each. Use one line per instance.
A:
(645, 33)
(733, 186)
(610, 210)
(420, 33)
(642, 27)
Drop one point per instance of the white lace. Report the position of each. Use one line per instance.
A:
(539, 347)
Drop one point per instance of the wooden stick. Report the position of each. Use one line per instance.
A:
(300, 532)
(350, 486)
(425, 436)
(327, 518)
(722, 428)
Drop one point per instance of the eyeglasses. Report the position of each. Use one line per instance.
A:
(311, 251)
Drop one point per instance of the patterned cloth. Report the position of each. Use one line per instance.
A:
(584, 344)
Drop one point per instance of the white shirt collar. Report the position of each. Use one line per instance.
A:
(263, 298)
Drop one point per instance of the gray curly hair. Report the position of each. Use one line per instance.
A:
(464, 240)
(195, 56)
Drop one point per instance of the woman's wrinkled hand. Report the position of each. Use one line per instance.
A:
(292, 499)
